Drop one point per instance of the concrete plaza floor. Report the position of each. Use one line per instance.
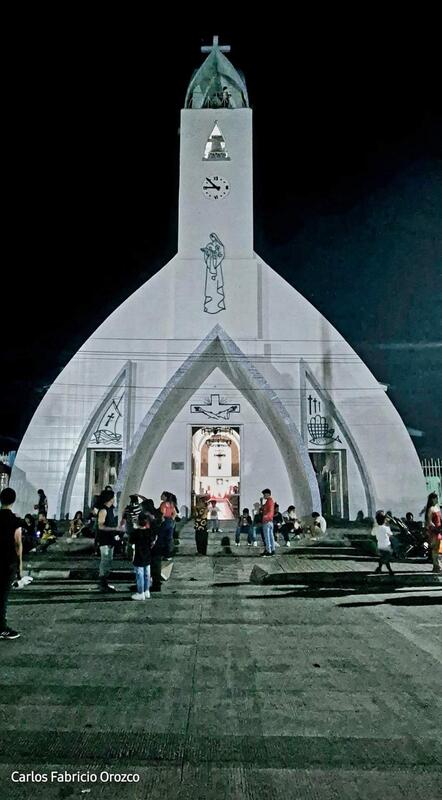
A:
(218, 687)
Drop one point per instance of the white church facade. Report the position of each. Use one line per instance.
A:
(216, 377)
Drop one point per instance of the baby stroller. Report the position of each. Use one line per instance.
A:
(408, 543)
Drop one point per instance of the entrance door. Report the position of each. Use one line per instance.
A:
(102, 468)
(216, 468)
(331, 474)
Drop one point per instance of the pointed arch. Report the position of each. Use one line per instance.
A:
(219, 350)
(122, 379)
(354, 449)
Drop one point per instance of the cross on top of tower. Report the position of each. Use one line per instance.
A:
(207, 48)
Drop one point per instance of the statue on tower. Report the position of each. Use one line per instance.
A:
(214, 297)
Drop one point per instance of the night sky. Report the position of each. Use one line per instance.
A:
(348, 189)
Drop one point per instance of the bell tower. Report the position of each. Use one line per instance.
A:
(216, 181)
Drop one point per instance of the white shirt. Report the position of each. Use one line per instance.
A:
(382, 533)
(321, 523)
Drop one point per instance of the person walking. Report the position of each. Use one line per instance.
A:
(143, 538)
(433, 525)
(11, 554)
(268, 510)
(383, 537)
(107, 535)
(200, 526)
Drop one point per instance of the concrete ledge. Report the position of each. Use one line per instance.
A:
(344, 579)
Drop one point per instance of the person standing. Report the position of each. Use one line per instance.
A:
(200, 526)
(11, 554)
(168, 511)
(383, 537)
(213, 516)
(131, 514)
(433, 524)
(42, 504)
(143, 537)
(257, 522)
(107, 535)
(268, 510)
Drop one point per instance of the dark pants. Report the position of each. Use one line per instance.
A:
(385, 558)
(155, 568)
(201, 537)
(7, 575)
(286, 529)
(165, 537)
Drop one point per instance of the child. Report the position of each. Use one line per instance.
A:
(200, 526)
(144, 538)
(245, 525)
(213, 516)
(383, 536)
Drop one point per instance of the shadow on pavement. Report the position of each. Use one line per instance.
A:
(424, 600)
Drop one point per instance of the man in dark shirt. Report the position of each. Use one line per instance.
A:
(10, 557)
(107, 535)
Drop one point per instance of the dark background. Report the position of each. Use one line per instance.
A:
(347, 172)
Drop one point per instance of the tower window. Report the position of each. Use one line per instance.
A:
(215, 149)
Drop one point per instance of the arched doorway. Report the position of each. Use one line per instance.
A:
(216, 468)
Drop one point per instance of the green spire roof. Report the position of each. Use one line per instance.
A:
(217, 84)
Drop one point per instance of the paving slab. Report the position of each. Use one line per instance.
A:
(217, 687)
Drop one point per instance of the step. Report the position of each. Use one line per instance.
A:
(344, 579)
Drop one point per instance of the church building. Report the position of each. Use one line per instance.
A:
(216, 378)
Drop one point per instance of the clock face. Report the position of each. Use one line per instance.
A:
(215, 187)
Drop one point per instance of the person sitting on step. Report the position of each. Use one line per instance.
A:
(245, 525)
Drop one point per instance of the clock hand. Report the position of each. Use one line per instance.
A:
(213, 184)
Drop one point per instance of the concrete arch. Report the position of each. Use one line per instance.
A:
(220, 350)
(122, 379)
(357, 455)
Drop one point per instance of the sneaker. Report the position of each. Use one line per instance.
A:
(167, 559)
(138, 596)
(147, 595)
(107, 587)
(8, 633)
(255, 544)
(276, 544)
(287, 544)
(265, 554)
(273, 553)
(378, 571)
(249, 544)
